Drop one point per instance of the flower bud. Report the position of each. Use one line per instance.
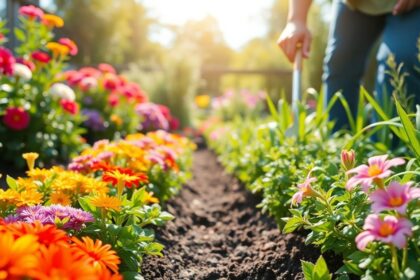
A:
(348, 159)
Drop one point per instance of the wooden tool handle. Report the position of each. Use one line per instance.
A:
(298, 58)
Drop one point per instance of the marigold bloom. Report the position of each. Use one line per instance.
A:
(305, 190)
(58, 49)
(70, 44)
(57, 262)
(41, 56)
(106, 202)
(16, 118)
(394, 197)
(6, 62)
(30, 159)
(29, 197)
(60, 198)
(378, 169)
(31, 12)
(100, 256)
(126, 176)
(390, 230)
(69, 106)
(52, 21)
(46, 234)
(18, 255)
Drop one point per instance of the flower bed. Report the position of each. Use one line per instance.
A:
(367, 214)
(109, 194)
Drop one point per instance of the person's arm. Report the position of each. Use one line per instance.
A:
(296, 31)
(404, 6)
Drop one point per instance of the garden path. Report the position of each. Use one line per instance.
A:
(219, 233)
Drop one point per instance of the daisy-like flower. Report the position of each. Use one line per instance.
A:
(18, 255)
(30, 159)
(305, 190)
(394, 197)
(51, 21)
(60, 198)
(106, 202)
(377, 170)
(100, 256)
(123, 177)
(46, 234)
(390, 230)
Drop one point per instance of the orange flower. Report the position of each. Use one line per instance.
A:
(18, 256)
(52, 21)
(116, 119)
(30, 159)
(58, 262)
(58, 49)
(46, 234)
(107, 202)
(127, 176)
(60, 198)
(99, 256)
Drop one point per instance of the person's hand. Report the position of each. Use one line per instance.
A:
(295, 33)
(404, 6)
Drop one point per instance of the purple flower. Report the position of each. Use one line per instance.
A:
(152, 117)
(71, 218)
(94, 120)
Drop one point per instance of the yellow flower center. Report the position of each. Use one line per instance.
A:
(396, 201)
(386, 229)
(374, 170)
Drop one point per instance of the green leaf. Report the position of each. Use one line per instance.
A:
(132, 275)
(307, 268)
(12, 183)
(20, 35)
(409, 128)
(292, 224)
(320, 271)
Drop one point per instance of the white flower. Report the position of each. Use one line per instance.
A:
(22, 71)
(62, 91)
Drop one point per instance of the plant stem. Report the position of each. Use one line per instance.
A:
(395, 264)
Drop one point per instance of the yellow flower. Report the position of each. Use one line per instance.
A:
(30, 159)
(107, 202)
(8, 197)
(202, 101)
(58, 49)
(78, 184)
(60, 198)
(150, 198)
(26, 184)
(52, 21)
(116, 119)
(29, 198)
(38, 174)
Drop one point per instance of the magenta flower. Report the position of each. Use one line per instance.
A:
(378, 169)
(390, 230)
(305, 190)
(394, 197)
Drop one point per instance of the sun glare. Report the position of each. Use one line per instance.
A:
(239, 20)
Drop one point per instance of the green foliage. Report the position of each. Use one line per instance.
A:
(317, 271)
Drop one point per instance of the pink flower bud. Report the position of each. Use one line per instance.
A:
(348, 159)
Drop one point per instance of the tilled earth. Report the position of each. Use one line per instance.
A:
(219, 233)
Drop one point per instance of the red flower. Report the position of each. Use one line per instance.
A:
(16, 118)
(124, 175)
(41, 56)
(113, 99)
(69, 44)
(111, 82)
(31, 11)
(6, 61)
(69, 106)
(27, 63)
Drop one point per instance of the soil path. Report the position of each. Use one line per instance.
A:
(219, 234)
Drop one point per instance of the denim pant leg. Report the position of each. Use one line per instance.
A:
(400, 38)
(351, 38)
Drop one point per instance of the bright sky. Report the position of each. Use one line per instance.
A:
(239, 20)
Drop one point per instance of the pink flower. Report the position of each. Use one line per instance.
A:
(31, 12)
(348, 159)
(106, 68)
(390, 230)
(70, 44)
(378, 168)
(305, 190)
(88, 83)
(394, 197)
(6, 62)
(16, 118)
(69, 106)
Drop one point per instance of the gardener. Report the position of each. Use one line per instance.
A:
(356, 26)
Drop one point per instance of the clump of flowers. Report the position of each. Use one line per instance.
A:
(155, 117)
(32, 119)
(37, 251)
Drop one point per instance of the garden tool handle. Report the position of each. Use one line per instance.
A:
(297, 65)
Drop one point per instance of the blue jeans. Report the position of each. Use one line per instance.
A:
(352, 37)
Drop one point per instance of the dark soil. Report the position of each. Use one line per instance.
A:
(219, 233)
